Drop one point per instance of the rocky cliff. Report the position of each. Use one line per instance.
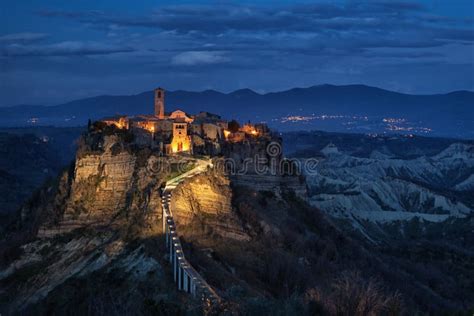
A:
(203, 204)
(110, 187)
(277, 184)
(260, 165)
(93, 238)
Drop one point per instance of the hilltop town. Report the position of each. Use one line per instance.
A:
(155, 178)
(180, 132)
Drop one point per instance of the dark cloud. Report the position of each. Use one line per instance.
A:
(23, 37)
(69, 48)
(227, 46)
(454, 34)
(366, 24)
(396, 6)
(402, 54)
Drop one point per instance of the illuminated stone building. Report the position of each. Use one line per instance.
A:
(178, 114)
(179, 131)
(181, 141)
(118, 121)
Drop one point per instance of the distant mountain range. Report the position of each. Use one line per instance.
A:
(356, 108)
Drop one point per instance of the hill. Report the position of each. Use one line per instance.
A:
(356, 108)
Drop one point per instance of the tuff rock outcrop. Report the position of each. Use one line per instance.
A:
(94, 237)
(203, 204)
(110, 187)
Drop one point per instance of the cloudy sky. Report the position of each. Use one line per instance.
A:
(53, 51)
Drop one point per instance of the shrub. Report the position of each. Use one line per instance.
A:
(284, 274)
(353, 295)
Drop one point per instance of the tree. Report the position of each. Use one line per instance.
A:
(353, 295)
(234, 126)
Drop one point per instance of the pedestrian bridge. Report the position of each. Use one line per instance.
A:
(184, 275)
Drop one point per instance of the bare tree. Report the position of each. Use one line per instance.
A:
(353, 295)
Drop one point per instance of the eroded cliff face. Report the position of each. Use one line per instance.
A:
(203, 205)
(95, 236)
(277, 184)
(88, 272)
(259, 164)
(116, 187)
(95, 242)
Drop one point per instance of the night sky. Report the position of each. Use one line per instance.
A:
(54, 51)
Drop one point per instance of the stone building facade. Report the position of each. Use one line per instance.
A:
(180, 132)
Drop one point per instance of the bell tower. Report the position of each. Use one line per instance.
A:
(160, 103)
(181, 140)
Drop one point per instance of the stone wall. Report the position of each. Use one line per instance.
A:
(212, 131)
